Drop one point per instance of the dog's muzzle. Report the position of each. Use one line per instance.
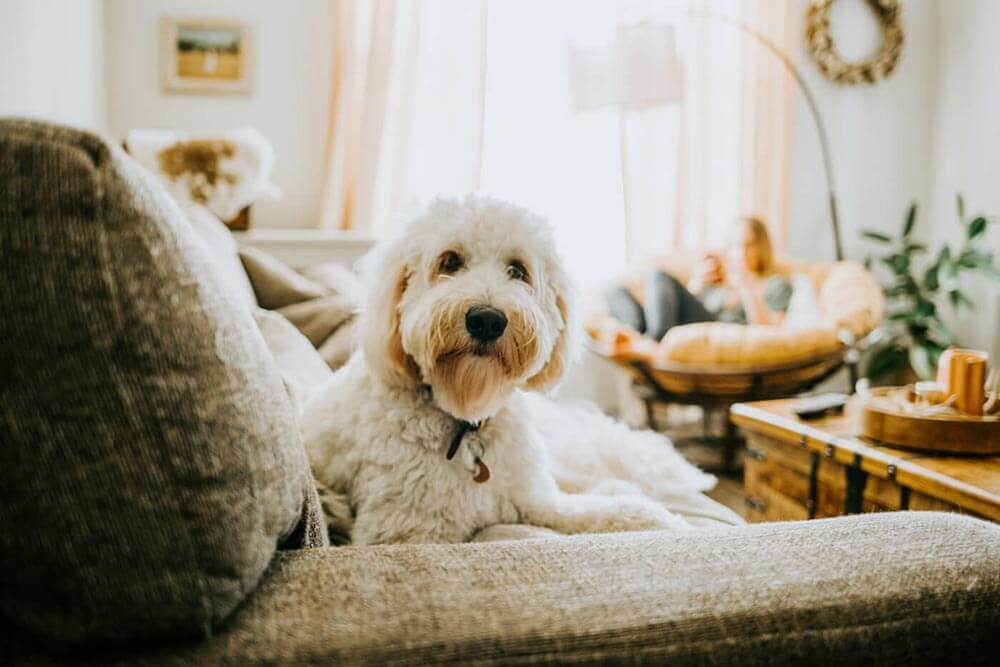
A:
(485, 324)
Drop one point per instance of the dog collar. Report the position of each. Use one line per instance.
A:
(456, 440)
(482, 473)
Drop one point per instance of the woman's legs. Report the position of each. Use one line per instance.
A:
(624, 308)
(668, 304)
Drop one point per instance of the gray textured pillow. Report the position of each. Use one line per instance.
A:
(150, 463)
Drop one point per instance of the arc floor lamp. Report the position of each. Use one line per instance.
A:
(641, 68)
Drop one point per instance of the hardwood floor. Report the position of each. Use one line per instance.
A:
(729, 492)
(729, 489)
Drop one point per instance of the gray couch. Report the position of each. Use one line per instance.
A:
(156, 507)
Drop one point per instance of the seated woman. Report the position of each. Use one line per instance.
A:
(744, 286)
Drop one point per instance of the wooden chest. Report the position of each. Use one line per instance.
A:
(803, 470)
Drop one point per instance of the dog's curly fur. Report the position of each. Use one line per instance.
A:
(379, 431)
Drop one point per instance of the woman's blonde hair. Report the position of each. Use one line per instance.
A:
(763, 240)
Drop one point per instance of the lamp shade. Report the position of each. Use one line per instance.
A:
(640, 68)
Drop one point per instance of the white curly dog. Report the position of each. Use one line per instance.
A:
(428, 430)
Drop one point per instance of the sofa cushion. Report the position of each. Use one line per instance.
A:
(150, 463)
(851, 299)
(712, 343)
(321, 301)
(275, 283)
(876, 589)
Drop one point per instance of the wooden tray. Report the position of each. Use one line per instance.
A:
(947, 434)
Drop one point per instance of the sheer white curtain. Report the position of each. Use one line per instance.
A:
(448, 96)
(536, 151)
(406, 108)
(723, 152)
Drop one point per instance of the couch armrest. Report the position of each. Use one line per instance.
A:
(884, 588)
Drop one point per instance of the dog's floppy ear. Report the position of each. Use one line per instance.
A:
(565, 347)
(386, 273)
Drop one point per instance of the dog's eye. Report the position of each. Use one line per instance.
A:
(450, 262)
(516, 271)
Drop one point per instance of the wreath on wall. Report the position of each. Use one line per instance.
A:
(824, 52)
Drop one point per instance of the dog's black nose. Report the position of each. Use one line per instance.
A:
(485, 324)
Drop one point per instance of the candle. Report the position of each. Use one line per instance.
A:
(963, 372)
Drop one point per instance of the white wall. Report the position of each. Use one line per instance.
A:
(965, 149)
(288, 104)
(879, 135)
(928, 131)
(51, 55)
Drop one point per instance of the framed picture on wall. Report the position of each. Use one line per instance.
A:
(205, 55)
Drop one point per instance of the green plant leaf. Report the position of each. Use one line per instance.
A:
(900, 264)
(925, 309)
(895, 290)
(904, 316)
(960, 201)
(977, 227)
(914, 247)
(872, 235)
(974, 258)
(958, 299)
(935, 351)
(920, 362)
(948, 274)
(886, 360)
(931, 278)
(911, 217)
(938, 332)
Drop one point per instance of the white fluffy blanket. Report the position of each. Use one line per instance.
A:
(590, 451)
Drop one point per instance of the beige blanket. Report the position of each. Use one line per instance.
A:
(320, 301)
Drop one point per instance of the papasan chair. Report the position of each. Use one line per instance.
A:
(716, 364)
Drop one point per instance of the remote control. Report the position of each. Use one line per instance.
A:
(814, 407)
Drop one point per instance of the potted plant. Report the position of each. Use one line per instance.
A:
(914, 334)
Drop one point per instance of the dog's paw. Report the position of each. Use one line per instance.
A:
(637, 513)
